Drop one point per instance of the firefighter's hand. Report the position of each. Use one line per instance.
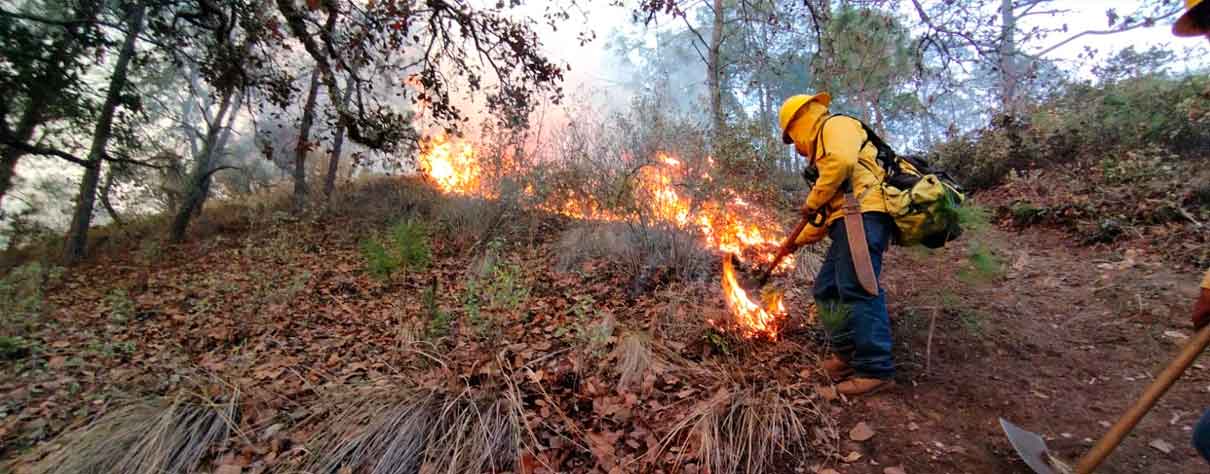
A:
(1201, 310)
(807, 212)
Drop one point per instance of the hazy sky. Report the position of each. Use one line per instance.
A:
(590, 64)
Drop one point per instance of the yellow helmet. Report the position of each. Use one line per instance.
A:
(1195, 21)
(791, 107)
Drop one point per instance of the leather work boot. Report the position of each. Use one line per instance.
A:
(836, 368)
(863, 386)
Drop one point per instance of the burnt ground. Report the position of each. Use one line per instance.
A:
(1054, 336)
(1060, 343)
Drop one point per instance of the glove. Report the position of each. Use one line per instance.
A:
(809, 235)
(1201, 310)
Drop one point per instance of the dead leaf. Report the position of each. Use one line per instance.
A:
(894, 470)
(852, 457)
(228, 469)
(1161, 446)
(861, 432)
(603, 447)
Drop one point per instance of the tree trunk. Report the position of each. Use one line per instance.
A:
(334, 159)
(1009, 75)
(300, 150)
(77, 236)
(105, 190)
(713, 68)
(215, 151)
(8, 169)
(195, 192)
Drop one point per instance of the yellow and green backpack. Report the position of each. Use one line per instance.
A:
(924, 202)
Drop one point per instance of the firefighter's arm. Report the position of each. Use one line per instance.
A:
(841, 146)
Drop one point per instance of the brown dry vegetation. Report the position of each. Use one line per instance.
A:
(517, 347)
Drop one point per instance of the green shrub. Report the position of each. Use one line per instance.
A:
(22, 300)
(494, 286)
(1103, 122)
(439, 320)
(12, 348)
(983, 264)
(405, 246)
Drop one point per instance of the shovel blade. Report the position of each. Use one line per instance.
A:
(1032, 449)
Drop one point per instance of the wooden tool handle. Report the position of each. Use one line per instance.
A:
(1110, 441)
(786, 247)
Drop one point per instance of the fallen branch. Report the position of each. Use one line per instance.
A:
(1180, 210)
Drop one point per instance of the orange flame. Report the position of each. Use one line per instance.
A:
(455, 169)
(731, 226)
(750, 318)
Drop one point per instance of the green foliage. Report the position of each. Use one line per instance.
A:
(592, 329)
(834, 315)
(496, 286)
(405, 246)
(22, 299)
(1103, 122)
(1026, 213)
(719, 341)
(12, 347)
(119, 306)
(439, 320)
(866, 50)
(982, 264)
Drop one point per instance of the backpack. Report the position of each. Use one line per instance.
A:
(922, 201)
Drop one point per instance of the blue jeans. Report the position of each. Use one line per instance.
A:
(857, 323)
(1201, 436)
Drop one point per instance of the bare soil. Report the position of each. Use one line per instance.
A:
(1060, 344)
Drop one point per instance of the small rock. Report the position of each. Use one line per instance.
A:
(1161, 446)
(894, 470)
(861, 432)
(1177, 335)
(828, 471)
(913, 426)
(1104, 424)
(272, 430)
(228, 469)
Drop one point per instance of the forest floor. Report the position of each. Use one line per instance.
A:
(1059, 339)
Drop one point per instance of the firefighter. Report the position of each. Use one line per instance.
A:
(851, 302)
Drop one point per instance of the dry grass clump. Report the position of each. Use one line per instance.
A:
(379, 432)
(638, 355)
(153, 436)
(748, 430)
(642, 249)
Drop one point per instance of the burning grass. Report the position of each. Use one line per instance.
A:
(163, 435)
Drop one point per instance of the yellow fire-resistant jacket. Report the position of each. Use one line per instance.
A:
(838, 154)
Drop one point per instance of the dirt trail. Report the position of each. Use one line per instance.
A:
(1060, 343)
